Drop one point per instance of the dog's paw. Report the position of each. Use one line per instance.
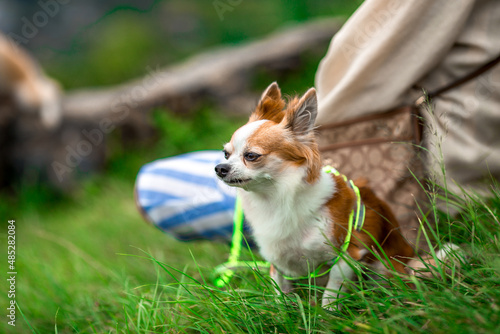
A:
(331, 305)
(449, 255)
(329, 301)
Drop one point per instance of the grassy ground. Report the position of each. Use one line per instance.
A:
(88, 263)
(91, 265)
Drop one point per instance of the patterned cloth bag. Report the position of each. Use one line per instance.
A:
(384, 149)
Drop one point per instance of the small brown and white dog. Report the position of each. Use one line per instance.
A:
(22, 80)
(297, 211)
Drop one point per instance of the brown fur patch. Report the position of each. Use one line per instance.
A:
(272, 270)
(20, 69)
(340, 206)
(273, 138)
(269, 108)
(292, 104)
(313, 164)
(379, 223)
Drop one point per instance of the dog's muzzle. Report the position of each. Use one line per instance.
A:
(222, 170)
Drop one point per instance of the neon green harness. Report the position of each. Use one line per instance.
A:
(224, 272)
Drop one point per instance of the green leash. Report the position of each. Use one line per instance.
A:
(223, 273)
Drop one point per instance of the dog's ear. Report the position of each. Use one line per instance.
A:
(272, 91)
(301, 115)
(270, 106)
(299, 118)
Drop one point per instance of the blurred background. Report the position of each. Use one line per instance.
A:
(92, 46)
(76, 215)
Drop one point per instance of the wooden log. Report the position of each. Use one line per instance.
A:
(207, 74)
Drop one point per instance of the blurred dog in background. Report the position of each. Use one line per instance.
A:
(24, 87)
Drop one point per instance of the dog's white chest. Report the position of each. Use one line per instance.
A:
(296, 255)
(293, 235)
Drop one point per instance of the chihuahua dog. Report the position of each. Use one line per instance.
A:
(299, 214)
(23, 81)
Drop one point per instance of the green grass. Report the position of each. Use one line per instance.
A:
(91, 265)
(88, 263)
(68, 259)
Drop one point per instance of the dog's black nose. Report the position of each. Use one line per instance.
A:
(222, 169)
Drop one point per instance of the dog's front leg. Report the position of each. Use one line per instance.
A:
(339, 273)
(284, 285)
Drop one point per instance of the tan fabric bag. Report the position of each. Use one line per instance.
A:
(384, 149)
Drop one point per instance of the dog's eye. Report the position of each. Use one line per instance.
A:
(226, 154)
(250, 156)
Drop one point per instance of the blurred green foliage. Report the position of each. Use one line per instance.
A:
(125, 41)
